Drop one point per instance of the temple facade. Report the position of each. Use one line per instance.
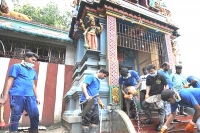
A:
(113, 34)
(104, 34)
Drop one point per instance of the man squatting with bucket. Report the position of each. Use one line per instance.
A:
(128, 86)
(90, 88)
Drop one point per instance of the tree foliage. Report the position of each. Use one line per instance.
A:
(49, 14)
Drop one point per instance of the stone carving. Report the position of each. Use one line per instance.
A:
(162, 8)
(116, 1)
(90, 34)
(74, 3)
(6, 11)
(175, 51)
(115, 95)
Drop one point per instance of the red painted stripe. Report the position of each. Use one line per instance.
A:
(25, 119)
(7, 105)
(50, 94)
(68, 81)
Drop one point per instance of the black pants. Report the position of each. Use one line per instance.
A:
(92, 116)
(142, 97)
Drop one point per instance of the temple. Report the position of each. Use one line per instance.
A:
(104, 34)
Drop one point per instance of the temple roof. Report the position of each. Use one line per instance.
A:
(32, 28)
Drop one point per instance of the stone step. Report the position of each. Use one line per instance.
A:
(150, 128)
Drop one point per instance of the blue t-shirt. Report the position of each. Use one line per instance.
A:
(92, 88)
(23, 80)
(130, 81)
(167, 77)
(191, 78)
(189, 98)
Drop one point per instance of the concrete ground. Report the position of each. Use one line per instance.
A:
(55, 128)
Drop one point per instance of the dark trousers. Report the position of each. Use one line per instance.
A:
(142, 97)
(161, 112)
(20, 103)
(92, 116)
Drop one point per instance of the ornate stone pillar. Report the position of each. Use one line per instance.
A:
(113, 65)
(112, 50)
(170, 57)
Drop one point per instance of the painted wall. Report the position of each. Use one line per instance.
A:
(54, 80)
(144, 60)
(125, 57)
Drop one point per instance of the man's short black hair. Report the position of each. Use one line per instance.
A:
(167, 94)
(124, 71)
(144, 69)
(31, 54)
(178, 66)
(151, 66)
(164, 64)
(104, 71)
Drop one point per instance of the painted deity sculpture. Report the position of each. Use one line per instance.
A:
(90, 34)
(6, 11)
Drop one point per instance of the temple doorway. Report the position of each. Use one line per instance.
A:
(138, 47)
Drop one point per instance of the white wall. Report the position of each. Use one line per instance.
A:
(185, 14)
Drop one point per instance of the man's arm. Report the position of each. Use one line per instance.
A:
(7, 87)
(84, 89)
(139, 84)
(147, 92)
(170, 119)
(122, 89)
(197, 113)
(36, 94)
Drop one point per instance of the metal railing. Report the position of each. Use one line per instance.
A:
(138, 38)
(42, 58)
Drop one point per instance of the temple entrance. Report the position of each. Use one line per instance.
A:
(138, 47)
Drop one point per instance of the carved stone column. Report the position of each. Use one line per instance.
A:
(170, 57)
(112, 50)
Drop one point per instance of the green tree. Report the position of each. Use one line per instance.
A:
(49, 14)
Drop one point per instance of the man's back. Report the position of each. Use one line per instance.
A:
(130, 80)
(191, 78)
(167, 77)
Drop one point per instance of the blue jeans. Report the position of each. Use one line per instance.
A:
(20, 103)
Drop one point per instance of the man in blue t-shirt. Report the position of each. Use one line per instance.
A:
(22, 91)
(164, 71)
(193, 81)
(90, 87)
(185, 97)
(129, 82)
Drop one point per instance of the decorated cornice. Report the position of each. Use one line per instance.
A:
(108, 10)
(134, 13)
(33, 29)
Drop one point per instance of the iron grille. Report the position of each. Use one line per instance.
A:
(138, 38)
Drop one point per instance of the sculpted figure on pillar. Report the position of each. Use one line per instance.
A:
(90, 34)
